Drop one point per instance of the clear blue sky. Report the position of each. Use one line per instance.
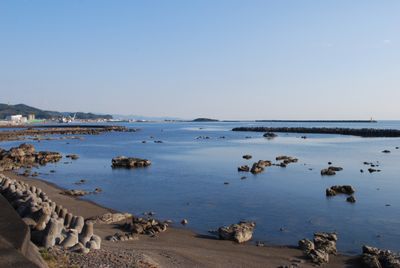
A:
(224, 59)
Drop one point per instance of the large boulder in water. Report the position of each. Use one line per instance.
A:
(240, 232)
(129, 162)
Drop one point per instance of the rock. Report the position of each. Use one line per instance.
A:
(244, 168)
(72, 156)
(335, 168)
(74, 192)
(80, 182)
(110, 218)
(326, 242)
(25, 156)
(247, 156)
(145, 226)
(240, 232)
(129, 162)
(264, 163)
(318, 256)
(255, 169)
(319, 249)
(269, 135)
(340, 189)
(370, 261)
(370, 250)
(327, 172)
(286, 159)
(306, 245)
(371, 170)
(374, 257)
(351, 199)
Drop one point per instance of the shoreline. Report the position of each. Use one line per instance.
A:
(180, 247)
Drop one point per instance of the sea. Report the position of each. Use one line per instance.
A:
(194, 176)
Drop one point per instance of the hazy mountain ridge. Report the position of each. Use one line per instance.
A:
(25, 110)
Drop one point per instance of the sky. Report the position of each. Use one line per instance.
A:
(225, 59)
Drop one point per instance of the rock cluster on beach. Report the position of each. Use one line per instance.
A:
(377, 258)
(319, 249)
(133, 226)
(110, 218)
(129, 162)
(50, 224)
(148, 226)
(240, 232)
(25, 156)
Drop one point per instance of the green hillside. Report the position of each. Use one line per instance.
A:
(25, 110)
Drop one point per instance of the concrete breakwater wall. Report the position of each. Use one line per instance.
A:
(361, 132)
(49, 223)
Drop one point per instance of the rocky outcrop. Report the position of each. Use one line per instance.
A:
(129, 162)
(259, 166)
(330, 171)
(50, 224)
(148, 226)
(269, 135)
(320, 248)
(110, 218)
(75, 192)
(72, 156)
(244, 168)
(377, 258)
(122, 237)
(340, 189)
(25, 156)
(37, 133)
(240, 232)
(285, 160)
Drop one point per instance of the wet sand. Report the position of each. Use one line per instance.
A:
(178, 247)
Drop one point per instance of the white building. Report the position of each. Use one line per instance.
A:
(18, 119)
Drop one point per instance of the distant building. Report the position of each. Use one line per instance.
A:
(18, 119)
(31, 117)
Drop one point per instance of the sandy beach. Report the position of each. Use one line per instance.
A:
(177, 247)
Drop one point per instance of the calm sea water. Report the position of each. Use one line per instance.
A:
(187, 175)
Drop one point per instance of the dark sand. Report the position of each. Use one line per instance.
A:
(180, 247)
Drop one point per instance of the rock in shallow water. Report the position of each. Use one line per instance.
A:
(129, 162)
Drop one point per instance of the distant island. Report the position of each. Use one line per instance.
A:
(25, 110)
(205, 120)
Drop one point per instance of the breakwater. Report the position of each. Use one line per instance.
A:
(361, 132)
